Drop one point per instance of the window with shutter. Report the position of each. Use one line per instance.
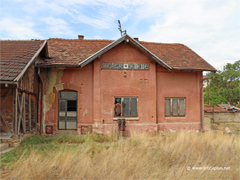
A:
(175, 107)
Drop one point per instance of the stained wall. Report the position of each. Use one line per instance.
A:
(98, 87)
(179, 84)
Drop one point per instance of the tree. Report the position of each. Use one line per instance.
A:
(224, 87)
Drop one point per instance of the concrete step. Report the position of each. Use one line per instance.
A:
(3, 146)
(6, 150)
(5, 136)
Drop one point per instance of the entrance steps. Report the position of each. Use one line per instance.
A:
(3, 146)
(8, 142)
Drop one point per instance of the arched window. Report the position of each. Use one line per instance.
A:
(67, 117)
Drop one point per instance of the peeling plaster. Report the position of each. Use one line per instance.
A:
(53, 78)
(85, 112)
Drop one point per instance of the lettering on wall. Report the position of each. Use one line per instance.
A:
(140, 66)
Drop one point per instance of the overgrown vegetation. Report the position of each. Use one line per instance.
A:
(233, 126)
(223, 88)
(141, 156)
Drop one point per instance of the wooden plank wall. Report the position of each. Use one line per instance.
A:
(6, 106)
(28, 82)
(19, 106)
(27, 93)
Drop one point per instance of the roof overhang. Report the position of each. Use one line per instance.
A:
(192, 69)
(8, 82)
(30, 62)
(127, 39)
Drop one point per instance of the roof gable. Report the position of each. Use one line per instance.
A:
(16, 56)
(127, 39)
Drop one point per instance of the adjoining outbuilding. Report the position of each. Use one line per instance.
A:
(20, 85)
(222, 113)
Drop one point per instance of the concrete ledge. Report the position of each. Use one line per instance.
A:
(7, 150)
(127, 118)
(3, 146)
(179, 126)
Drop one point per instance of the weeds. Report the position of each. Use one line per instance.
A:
(140, 156)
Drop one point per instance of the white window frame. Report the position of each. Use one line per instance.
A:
(122, 100)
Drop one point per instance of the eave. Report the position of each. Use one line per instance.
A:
(127, 39)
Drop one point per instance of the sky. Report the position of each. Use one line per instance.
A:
(211, 28)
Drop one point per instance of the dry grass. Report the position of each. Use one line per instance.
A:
(139, 157)
(233, 126)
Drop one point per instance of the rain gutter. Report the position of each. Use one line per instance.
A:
(201, 96)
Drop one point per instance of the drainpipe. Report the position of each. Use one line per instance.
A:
(41, 99)
(201, 95)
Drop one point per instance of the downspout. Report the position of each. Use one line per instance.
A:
(201, 96)
(41, 111)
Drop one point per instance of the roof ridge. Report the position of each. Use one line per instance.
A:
(21, 40)
(79, 39)
(161, 43)
(112, 40)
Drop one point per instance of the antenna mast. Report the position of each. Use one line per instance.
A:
(120, 28)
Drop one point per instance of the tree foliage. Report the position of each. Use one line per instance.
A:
(224, 87)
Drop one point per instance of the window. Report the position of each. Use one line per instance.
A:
(125, 107)
(175, 107)
(67, 110)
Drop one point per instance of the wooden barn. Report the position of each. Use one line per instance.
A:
(20, 85)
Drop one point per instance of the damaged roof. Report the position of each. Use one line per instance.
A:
(15, 56)
(79, 52)
(229, 107)
(220, 108)
(214, 108)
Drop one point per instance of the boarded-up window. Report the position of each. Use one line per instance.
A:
(125, 107)
(175, 107)
(167, 107)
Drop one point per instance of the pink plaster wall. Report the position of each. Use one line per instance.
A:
(109, 83)
(82, 78)
(100, 86)
(179, 84)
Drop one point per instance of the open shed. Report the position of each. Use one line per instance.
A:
(20, 85)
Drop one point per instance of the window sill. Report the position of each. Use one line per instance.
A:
(174, 116)
(126, 118)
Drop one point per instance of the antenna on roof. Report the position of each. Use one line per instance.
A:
(120, 29)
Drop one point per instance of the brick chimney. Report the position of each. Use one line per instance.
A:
(80, 37)
(136, 39)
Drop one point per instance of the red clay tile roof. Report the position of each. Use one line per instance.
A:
(178, 56)
(70, 52)
(14, 56)
(215, 108)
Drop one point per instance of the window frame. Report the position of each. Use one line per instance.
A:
(171, 106)
(122, 100)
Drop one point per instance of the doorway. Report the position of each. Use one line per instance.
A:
(67, 113)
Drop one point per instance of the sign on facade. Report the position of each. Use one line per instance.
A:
(140, 66)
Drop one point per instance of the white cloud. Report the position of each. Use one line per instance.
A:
(212, 30)
(57, 26)
(18, 29)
